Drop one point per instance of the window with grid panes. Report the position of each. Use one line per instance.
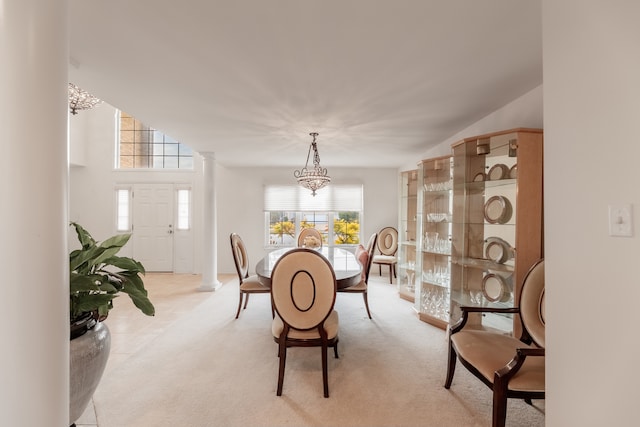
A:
(336, 212)
(143, 147)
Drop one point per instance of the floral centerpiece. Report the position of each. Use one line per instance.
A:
(312, 242)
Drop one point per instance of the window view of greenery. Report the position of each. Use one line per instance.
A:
(143, 147)
(284, 227)
(346, 228)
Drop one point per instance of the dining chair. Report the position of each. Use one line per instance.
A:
(309, 232)
(303, 292)
(248, 284)
(511, 367)
(388, 246)
(364, 255)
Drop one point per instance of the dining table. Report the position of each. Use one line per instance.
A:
(345, 265)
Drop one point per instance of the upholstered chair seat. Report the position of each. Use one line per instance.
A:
(513, 367)
(360, 287)
(388, 246)
(249, 284)
(385, 259)
(303, 293)
(364, 255)
(331, 326)
(489, 351)
(252, 283)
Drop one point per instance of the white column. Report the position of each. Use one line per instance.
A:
(34, 308)
(210, 251)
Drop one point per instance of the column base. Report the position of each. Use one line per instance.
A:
(210, 287)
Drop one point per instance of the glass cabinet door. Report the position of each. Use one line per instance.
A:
(434, 241)
(407, 233)
(497, 221)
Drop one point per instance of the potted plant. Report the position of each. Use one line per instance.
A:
(97, 276)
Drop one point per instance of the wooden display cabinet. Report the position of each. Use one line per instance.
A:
(407, 235)
(435, 210)
(497, 226)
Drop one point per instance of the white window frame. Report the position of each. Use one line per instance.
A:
(189, 216)
(164, 136)
(129, 208)
(330, 200)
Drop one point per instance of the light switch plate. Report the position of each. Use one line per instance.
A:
(621, 220)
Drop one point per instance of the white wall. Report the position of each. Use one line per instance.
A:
(523, 112)
(92, 177)
(239, 191)
(591, 115)
(241, 204)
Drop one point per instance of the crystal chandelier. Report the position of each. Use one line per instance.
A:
(80, 99)
(316, 178)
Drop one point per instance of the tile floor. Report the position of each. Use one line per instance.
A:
(172, 295)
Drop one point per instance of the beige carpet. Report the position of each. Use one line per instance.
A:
(206, 368)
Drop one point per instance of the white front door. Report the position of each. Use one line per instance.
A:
(153, 226)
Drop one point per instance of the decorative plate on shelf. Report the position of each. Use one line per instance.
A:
(480, 176)
(513, 172)
(497, 210)
(494, 288)
(498, 250)
(498, 171)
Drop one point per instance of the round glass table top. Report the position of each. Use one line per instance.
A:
(345, 265)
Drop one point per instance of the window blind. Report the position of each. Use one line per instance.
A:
(329, 199)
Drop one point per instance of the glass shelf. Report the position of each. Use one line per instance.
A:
(491, 211)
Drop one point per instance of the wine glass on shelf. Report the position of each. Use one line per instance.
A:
(475, 296)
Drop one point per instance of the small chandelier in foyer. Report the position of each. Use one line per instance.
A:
(80, 99)
(316, 178)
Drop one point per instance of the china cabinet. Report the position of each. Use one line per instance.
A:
(497, 228)
(435, 211)
(407, 234)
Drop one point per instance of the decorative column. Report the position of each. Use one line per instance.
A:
(210, 251)
(34, 259)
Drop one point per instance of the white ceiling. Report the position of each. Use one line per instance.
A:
(381, 81)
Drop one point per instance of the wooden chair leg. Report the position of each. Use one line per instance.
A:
(325, 373)
(282, 353)
(379, 269)
(335, 350)
(451, 366)
(391, 274)
(239, 305)
(366, 303)
(499, 402)
(246, 300)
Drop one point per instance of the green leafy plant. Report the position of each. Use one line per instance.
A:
(98, 275)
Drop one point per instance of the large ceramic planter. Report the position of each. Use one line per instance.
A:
(88, 357)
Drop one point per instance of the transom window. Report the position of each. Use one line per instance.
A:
(143, 147)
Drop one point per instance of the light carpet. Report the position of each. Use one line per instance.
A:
(209, 369)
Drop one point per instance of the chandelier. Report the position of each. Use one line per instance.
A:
(80, 99)
(316, 178)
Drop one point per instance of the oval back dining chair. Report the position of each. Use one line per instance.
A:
(303, 293)
(248, 284)
(364, 255)
(306, 233)
(388, 246)
(511, 367)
